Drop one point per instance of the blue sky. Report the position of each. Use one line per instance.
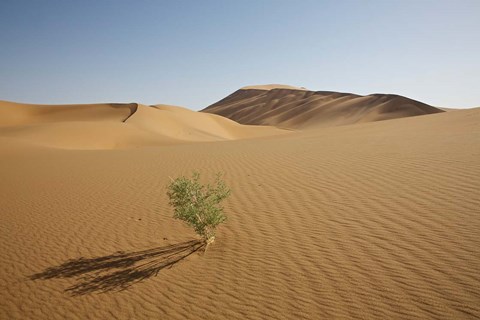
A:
(193, 53)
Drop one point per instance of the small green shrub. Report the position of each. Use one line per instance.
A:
(198, 205)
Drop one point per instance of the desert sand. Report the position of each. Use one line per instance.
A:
(344, 217)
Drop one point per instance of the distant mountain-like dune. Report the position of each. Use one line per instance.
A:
(298, 108)
(112, 126)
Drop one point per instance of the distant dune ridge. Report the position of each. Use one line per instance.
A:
(115, 125)
(299, 108)
(249, 112)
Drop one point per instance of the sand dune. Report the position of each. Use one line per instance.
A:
(374, 220)
(183, 124)
(111, 126)
(298, 108)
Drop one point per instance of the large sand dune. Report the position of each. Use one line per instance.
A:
(111, 126)
(376, 220)
(298, 108)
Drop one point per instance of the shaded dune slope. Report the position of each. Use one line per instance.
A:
(110, 126)
(303, 109)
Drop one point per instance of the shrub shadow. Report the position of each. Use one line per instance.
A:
(120, 270)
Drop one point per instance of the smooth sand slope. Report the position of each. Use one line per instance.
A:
(377, 220)
(298, 108)
(112, 126)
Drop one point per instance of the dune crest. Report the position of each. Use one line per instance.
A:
(282, 106)
(271, 87)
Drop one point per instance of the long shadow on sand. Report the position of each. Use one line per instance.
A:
(120, 270)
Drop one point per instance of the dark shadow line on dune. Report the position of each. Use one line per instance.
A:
(120, 270)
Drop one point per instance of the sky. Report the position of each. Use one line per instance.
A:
(194, 53)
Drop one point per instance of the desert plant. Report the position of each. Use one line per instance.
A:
(197, 204)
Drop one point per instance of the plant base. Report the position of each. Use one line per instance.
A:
(210, 240)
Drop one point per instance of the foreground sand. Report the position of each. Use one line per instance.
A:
(375, 221)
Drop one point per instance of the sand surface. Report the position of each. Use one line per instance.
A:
(377, 220)
(297, 108)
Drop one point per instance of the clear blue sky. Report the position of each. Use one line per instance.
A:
(193, 53)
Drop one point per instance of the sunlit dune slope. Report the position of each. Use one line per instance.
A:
(184, 124)
(299, 108)
(110, 126)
